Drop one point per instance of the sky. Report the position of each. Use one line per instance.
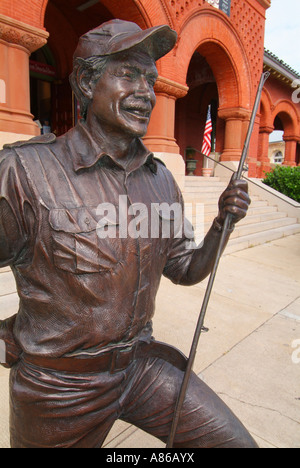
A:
(283, 31)
(282, 36)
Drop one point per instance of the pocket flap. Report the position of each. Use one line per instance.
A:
(74, 220)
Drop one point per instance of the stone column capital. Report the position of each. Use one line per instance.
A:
(170, 88)
(235, 113)
(22, 34)
(266, 129)
(294, 138)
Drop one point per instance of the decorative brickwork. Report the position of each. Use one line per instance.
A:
(19, 33)
(251, 26)
(181, 9)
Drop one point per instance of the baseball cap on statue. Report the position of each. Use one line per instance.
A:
(118, 36)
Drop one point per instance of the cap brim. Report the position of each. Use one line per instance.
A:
(158, 41)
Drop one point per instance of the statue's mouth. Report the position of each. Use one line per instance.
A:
(138, 111)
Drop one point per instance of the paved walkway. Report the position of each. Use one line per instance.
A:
(251, 354)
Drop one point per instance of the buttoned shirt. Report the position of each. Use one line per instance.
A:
(81, 290)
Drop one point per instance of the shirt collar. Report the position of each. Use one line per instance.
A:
(86, 153)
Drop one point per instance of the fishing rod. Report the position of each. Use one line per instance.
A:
(210, 284)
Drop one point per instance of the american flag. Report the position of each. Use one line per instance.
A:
(206, 147)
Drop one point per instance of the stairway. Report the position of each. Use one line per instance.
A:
(263, 223)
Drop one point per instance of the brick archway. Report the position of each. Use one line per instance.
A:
(285, 111)
(288, 115)
(62, 21)
(213, 36)
(266, 110)
(29, 12)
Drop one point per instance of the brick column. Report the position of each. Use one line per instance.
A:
(236, 125)
(17, 42)
(160, 137)
(264, 164)
(237, 120)
(291, 141)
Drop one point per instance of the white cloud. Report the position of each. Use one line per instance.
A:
(283, 31)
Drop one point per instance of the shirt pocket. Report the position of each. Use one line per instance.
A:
(76, 246)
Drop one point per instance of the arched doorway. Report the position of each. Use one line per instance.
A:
(278, 127)
(229, 87)
(42, 69)
(192, 110)
(285, 120)
(65, 22)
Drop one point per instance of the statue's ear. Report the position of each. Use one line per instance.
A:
(84, 82)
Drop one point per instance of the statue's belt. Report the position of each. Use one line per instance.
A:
(111, 361)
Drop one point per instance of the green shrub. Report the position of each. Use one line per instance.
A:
(286, 180)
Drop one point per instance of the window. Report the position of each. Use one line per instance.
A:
(278, 157)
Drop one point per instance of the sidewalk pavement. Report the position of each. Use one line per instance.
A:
(251, 354)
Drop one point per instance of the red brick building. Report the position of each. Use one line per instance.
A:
(217, 61)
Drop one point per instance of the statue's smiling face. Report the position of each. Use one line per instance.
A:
(123, 97)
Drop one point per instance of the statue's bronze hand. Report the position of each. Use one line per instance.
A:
(235, 200)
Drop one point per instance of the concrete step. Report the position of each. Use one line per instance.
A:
(263, 223)
(214, 187)
(210, 204)
(251, 218)
(211, 198)
(255, 208)
(246, 230)
(252, 240)
(191, 180)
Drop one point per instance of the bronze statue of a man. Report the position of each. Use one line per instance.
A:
(80, 348)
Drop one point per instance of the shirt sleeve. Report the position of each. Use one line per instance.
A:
(16, 212)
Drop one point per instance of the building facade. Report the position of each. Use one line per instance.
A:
(217, 62)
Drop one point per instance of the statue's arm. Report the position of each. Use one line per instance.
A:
(189, 266)
(11, 243)
(235, 200)
(16, 219)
